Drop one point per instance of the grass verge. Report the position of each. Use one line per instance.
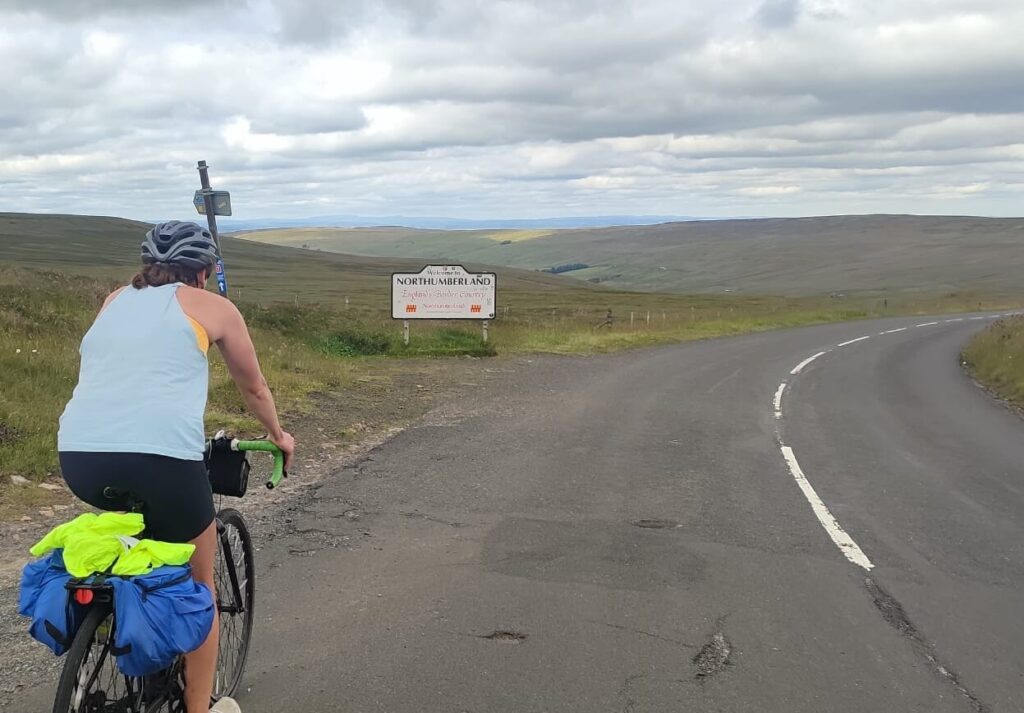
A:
(995, 357)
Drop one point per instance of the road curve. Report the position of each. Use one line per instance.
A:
(624, 533)
(925, 471)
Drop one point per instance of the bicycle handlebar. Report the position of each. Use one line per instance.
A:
(266, 447)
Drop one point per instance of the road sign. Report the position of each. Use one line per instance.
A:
(221, 202)
(443, 292)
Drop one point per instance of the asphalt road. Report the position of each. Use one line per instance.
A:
(624, 534)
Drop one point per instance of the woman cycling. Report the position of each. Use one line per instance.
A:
(135, 421)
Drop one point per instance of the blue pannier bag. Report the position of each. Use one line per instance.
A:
(160, 616)
(44, 598)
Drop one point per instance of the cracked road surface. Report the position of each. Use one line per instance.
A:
(622, 534)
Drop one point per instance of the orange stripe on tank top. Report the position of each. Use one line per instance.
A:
(202, 339)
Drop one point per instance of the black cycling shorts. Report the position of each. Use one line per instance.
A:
(173, 495)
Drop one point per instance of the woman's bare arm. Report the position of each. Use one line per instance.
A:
(236, 346)
(226, 328)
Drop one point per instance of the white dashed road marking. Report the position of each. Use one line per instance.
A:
(778, 400)
(839, 536)
(843, 541)
(800, 367)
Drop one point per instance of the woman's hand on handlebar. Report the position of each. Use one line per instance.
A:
(287, 445)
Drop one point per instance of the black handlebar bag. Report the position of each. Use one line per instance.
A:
(228, 469)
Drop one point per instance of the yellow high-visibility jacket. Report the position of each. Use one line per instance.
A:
(99, 543)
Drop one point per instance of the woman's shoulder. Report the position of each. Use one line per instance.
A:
(112, 296)
(201, 299)
(209, 309)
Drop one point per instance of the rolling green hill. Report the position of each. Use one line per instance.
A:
(874, 254)
(109, 248)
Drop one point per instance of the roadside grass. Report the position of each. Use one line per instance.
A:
(995, 357)
(41, 329)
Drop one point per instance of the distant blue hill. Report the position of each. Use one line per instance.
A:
(431, 223)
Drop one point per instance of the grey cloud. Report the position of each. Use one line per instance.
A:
(323, 21)
(775, 14)
(477, 84)
(318, 21)
(844, 83)
(73, 10)
(297, 120)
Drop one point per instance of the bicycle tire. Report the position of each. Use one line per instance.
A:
(69, 675)
(235, 626)
(69, 699)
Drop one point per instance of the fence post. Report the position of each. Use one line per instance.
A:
(405, 331)
(648, 318)
(485, 331)
(630, 319)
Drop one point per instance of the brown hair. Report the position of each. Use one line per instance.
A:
(156, 274)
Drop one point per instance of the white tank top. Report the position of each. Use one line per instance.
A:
(143, 380)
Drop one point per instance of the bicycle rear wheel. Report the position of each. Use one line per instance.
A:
(235, 577)
(90, 681)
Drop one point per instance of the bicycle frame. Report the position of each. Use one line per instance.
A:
(229, 560)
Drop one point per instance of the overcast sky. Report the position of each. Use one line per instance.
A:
(488, 108)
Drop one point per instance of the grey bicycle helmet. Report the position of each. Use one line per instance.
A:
(181, 243)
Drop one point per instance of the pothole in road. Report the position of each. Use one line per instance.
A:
(656, 524)
(505, 636)
(302, 553)
(713, 657)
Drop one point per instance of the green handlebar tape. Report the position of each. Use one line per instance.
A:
(267, 447)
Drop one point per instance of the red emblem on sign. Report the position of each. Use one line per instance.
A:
(474, 308)
(410, 308)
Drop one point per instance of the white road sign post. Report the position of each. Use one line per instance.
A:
(443, 292)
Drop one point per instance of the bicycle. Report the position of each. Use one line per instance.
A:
(90, 681)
